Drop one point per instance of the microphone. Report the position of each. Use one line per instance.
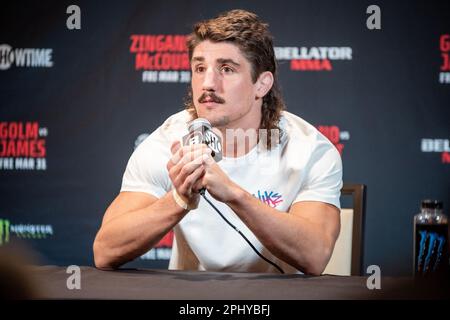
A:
(200, 131)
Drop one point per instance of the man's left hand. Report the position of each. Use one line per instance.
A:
(217, 182)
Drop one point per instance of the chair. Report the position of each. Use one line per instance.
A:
(347, 255)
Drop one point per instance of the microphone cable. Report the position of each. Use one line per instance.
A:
(202, 193)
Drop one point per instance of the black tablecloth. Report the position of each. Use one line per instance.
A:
(183, 285)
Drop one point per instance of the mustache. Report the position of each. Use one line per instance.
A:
(212, 96)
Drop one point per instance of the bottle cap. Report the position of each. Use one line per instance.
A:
(427, 204)
(436, 204)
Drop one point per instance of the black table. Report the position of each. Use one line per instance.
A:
(183, 285)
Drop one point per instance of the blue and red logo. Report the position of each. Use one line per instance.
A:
(270, 198)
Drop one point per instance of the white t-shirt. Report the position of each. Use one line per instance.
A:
(305, 166)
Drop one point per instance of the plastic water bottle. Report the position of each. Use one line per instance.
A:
(431, 249)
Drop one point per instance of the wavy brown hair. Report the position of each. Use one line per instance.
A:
(252, 36)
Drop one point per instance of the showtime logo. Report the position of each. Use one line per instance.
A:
(444, 45)
(335, 135)
(22, 146)
(312, 58)
(25, 57)
(161, 58)
(441, 146)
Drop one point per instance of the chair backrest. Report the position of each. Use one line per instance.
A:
(348, 250)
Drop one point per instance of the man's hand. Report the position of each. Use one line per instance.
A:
(186, 169)
(219, 185)
(192, 168)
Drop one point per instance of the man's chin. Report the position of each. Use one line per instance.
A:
(220, 121)
(215, 120)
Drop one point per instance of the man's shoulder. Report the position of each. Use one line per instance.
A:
(173, 128)
(298, 128)
(300, 135)
(176, 122)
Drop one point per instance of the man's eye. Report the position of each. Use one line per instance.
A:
(226, 69)
(199, 69)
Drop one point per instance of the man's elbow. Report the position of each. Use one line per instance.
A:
(314, 269)
(102, 263)
(101, 259)
(318, 261)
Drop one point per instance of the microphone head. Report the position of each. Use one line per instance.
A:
(200, 131)
(198, 123)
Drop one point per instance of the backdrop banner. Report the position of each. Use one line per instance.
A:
(82, 83)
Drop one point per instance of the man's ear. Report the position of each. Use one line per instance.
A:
(264, 84)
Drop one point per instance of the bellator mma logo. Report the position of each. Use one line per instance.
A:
(22, 146)
(312, 58)
(444, 45)
(335, 135)
(161, 58)
(441, 146)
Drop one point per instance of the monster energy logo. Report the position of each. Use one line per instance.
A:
(4, 231)
(33, 231)
(436, 244)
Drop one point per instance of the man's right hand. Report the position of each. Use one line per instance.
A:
(186, 170)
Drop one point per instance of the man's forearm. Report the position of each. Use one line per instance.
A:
(133, 233)
(292, 239)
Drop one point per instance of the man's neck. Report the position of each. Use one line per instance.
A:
(240, 138)
(236, 148)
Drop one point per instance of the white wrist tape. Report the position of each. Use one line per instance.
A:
(181, 202)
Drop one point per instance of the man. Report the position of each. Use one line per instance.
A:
(289, 211)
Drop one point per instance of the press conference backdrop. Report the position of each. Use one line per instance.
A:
(74, 103)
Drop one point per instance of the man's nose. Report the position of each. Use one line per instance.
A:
(210, 80)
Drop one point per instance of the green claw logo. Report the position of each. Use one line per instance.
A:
(4, 231)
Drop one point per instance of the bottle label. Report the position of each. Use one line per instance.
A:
(431, 249)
